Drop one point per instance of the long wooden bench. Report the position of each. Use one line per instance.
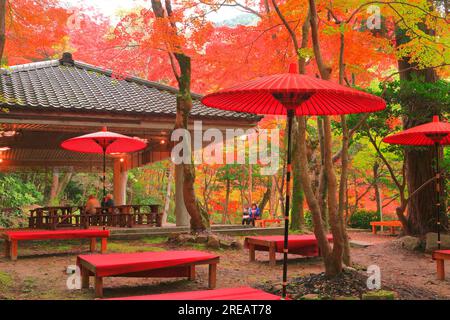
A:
(440, 256)
(244, 293)
(12, 238)
(391, 224)
(166, 264)
(305, 245)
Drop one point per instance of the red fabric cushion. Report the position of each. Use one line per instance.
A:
(57, 234)
(295, 241)
(121, 263)
(244, 293)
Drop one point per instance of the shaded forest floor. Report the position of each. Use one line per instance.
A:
(40, 271)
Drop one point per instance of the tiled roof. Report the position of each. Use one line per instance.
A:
(76, 86)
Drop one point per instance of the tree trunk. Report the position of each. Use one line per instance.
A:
(297, 214)
(54, 188)
(2, 29)
(227, 199)
(419, 161)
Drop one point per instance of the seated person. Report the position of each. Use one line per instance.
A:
(246, 217)
(255, 213)
(92, 204)
(108, 201)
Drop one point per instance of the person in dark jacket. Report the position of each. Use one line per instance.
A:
(255, 213)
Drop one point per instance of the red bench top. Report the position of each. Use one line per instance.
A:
(244, 293)
(55, 234)
(122, 263)
(444, 252)
(389, 223)
(295, 241)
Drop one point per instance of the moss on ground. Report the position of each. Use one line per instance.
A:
(154, 240)
(125, 248)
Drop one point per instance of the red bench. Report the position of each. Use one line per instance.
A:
(391, 224)
(305, 245)
(13, 237)
(244, 293)
(166, 264)
(440, 256)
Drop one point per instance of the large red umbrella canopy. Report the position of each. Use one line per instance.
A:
(308, 95)
(435, 133)
(104, 141)
(292, 94)
(423, 135)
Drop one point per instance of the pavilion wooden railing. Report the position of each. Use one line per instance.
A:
(126, 216)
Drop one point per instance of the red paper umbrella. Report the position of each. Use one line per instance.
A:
(104, 142)
(435, 133)
(293, 94)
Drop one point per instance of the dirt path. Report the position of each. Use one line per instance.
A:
(39, 273)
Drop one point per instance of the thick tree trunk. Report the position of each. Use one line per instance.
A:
(54, 188)
(297, 214)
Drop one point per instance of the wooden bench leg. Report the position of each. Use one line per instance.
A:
(212, 275)
(440, 269)
(84, 278)
(104, 245)
(392, 230)
(272, 256)
(7, 248)
(98, 287)
(13, 248)
(374, 229)
(251, 252)
(192, 273)
(93, 244)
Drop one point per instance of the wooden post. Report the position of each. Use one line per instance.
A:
(272, 255)
(251, 251)
(104, 245)
(374, 229)
(84, 277)
(192, 273)
(13, 248)
(440, 269)
(120, 182)
(93, 244)
(7, 248)
(212, 275)
(98, 287)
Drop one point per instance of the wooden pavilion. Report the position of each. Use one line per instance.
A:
(47, 102)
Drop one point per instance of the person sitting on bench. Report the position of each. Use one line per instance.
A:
(246, 216)
(255, 213)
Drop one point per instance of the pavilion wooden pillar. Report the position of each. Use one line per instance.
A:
(120, 182)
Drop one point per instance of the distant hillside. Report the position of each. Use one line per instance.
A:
(244, 19)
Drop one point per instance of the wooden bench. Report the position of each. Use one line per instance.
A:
(262, 222)
(166, 264)
(244, 293)
(12, 238)
(440, 256)
(305, 245)
(391, 224)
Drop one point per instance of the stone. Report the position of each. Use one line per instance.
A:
(379, 295)
(410, 243)
(213, 242)
(431, 242)
(202, 238)
(225, 243)
(310, 296)
(360, 244)
(185, 237)
(173, 237)
(235, 244)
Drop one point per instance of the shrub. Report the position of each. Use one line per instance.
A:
(361, 219)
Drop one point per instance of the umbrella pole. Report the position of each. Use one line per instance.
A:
(438, 195)
(290, 116)
(104, 173)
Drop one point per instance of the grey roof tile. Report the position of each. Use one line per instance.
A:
(75, 85)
